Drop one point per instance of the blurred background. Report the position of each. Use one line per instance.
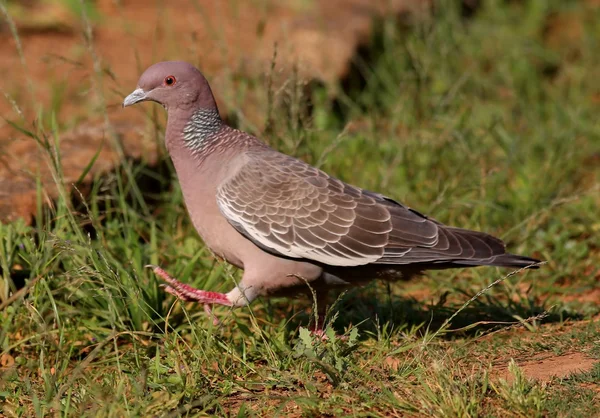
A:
(482, 114)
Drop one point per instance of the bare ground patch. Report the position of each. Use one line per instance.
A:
(547, 367)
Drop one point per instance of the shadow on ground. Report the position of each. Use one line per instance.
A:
(376, 312)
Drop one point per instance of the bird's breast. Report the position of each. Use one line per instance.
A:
(199, 184)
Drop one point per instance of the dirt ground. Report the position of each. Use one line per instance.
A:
(547, 367)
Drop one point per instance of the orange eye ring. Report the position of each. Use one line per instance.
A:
(170, 80)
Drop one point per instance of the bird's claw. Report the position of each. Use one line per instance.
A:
(178, 294)
(187, 293)
(211, 315)
(320, 334)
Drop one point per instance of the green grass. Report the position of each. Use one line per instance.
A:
(480, 123)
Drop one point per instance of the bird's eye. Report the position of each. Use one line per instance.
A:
(170, 80)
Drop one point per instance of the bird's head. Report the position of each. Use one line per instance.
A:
(174, 85)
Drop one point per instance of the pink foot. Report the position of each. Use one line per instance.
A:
(211, 315)
(189, 294)
(317, 328)
(176, 293)
(318, 331)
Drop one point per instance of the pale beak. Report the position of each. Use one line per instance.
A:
(136, 96)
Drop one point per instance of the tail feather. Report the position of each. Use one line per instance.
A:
(502, 260)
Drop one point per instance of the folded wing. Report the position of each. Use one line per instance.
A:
(292, 209)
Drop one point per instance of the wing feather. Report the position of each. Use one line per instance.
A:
(295, 210)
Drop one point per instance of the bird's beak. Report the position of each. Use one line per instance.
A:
(136, 96)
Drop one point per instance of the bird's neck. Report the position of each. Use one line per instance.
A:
(201, 129)
(194, 132)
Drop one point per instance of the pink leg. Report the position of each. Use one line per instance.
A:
(187, 292)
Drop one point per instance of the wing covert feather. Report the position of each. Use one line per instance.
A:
(295, 210)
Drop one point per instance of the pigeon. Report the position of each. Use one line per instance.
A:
(291, 227)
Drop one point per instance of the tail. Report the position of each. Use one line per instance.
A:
(478, 249)
(489, 251)
(502, 260)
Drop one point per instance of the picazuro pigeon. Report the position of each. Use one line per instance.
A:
(289, 225)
